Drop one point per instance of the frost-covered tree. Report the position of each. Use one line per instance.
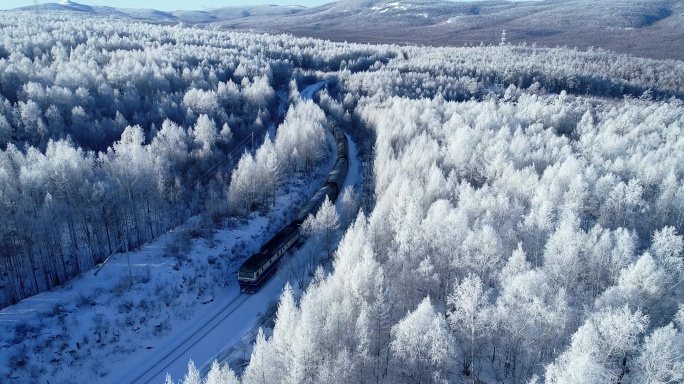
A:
(323, 226)
(668, 247)
(468, 318)
(301, 138)
(349, 204)
(205, 135)
(422, 345)
(201, 101)
(269, 171)
(244, 187)
(221, 374)
(193, 375)
(662, 357)
(602, 350)
(261, 369)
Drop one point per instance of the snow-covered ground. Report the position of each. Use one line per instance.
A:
(222, 324)
(96, 329)
(100, 329)
(309, 92)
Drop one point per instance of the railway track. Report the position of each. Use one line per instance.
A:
(190, 341)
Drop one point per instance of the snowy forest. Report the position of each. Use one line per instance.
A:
(525, 224)
(111, 134)
(528, 227)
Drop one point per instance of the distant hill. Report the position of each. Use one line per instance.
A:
(191, 17)
(649, 28)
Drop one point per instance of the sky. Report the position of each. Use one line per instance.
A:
(170, 5)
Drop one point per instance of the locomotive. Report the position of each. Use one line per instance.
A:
(256, 270)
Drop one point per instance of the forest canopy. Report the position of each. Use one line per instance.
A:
(527, 213)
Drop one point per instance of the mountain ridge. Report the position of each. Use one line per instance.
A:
(648, 28)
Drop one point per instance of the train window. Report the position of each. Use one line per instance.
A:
(246, 275)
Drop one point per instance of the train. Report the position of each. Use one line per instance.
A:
(259, 267)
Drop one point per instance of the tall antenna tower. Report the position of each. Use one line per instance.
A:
(37, 10)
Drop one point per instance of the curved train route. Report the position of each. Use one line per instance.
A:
(153, 373)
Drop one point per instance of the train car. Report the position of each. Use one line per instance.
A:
(342, 144)
(342, 148)
(331, 123)
(258, 267)
(338, 173)
(317, 201)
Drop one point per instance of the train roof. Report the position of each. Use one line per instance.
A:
(254, 262)
(315, 202)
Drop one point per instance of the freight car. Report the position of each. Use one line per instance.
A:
(256, 270)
